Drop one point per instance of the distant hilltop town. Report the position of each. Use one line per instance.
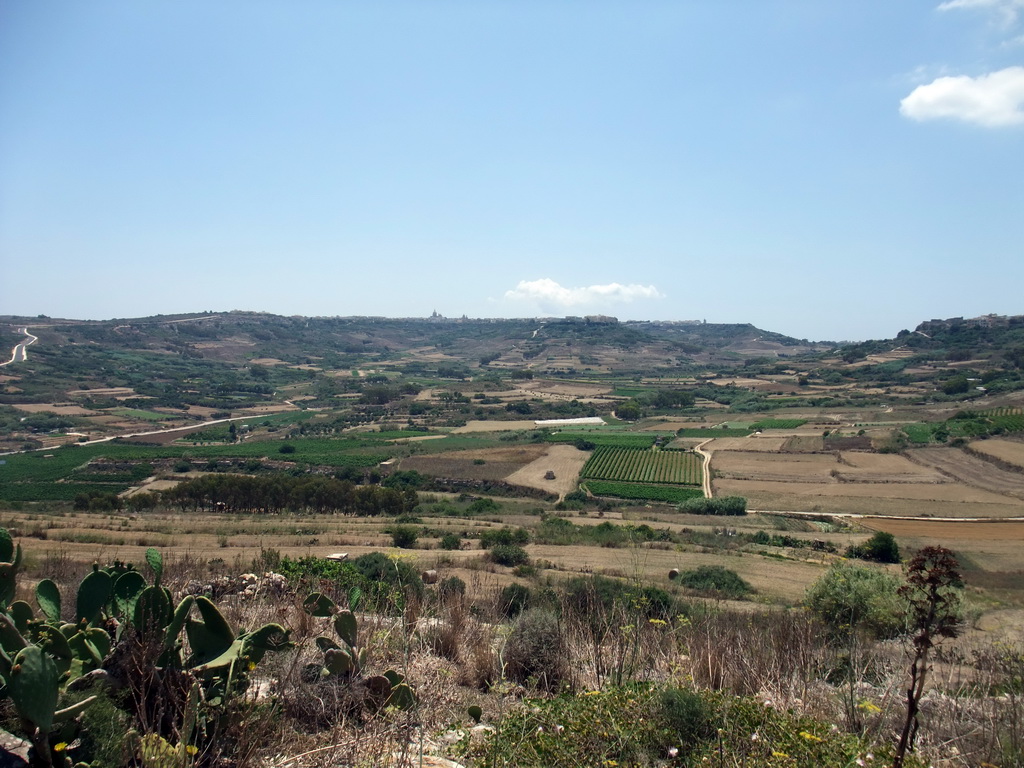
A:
(435, 317)
(985, 321)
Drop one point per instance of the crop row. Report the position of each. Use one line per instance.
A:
(634, 491)
(644, 466)
(993, 413)
(1009, 423)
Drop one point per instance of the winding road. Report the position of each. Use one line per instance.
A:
(19, 354)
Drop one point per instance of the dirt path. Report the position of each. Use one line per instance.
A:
(706, 472)
(20, 354)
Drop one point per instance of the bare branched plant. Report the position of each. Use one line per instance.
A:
(933, 593)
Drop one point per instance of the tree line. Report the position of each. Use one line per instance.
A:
(279, 493)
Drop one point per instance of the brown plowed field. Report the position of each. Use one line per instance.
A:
(945, 530)
(971, 470)
(957, 492)
(873, 499)
(1010, 451)
(861, 467)
(775, 467)
(498, 462)
(759, 443)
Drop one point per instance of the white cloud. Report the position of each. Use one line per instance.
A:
(547, 293)
(992, 100)
(1008, 10)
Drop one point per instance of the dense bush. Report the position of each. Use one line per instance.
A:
(514, 599)
(851, 597)
(715, 578)
(451, 541)
(451, 588)
(880, 548)
(724, 505)
(594, 598)
(534, 651)
(404, 536)
(509, 554)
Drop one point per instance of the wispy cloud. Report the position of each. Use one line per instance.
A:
(992, 100)
(1008, 11)
(548, 293)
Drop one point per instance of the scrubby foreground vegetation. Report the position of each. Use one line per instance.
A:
(307, 661)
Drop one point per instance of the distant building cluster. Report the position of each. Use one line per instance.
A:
(985, 321)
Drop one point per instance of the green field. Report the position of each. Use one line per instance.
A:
(43, 475)
(918, 433)
(611, 439)
(1009, 419)
(778, 424)
(644, 466)
(671, 494)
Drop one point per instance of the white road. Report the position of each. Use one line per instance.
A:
(19, 354)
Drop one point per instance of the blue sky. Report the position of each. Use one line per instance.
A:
(830, 170)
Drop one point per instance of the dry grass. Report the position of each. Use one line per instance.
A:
(1009, 451)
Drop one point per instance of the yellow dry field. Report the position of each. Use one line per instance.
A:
(774, 467)
(955, 492)
(118, 392)
(58, 408)
(671, 425)
(782, 581)
(565, 461)
(494, 426)
(903, 499)
(992, 546)
(758, 443)
(1009, 451)
(863, 467)
(972, 470)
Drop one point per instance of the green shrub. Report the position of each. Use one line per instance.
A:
(851, 597)
(724, 505)
(594, 597)
(451, 588)
(483, 505)
(404, 536)
(387, 580)
(534, 651)
(509, 554)
(505, 537)
(514, 599)
(715, 578)
(451, 541)
(880, 548)
(688, 717)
